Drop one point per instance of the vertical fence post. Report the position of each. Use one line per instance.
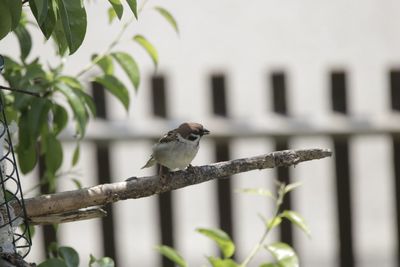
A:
(342, 169)
(49, 231)
(104, 174)
(159, 103)
(395, 106)
(222, 153)
(280, 107)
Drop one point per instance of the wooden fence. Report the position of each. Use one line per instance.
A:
(340, 127)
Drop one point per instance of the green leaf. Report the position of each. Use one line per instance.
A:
(76, 104)
(283, 254)
(221, 238)
(133, 6)
(2, 63)
(257, 191)
(60, 118)
(292, 186)
(70, 256)
(111, 15)
(75, 157)
(77, 183)
(53, 263)
(105, 63)
(270, 265)
(118, 8)
(54, 153)
(140, 39)
(217, 262)
(39, 9)
(296, 219)
(45, 14)
(24, 40)
(129, 66)
(73, 17)
(274, 222)
(59, 38)
(5, 19)
(168, 16)
(115, 87)
(27, 157)
(15, 9)
(103, 262)
(172, 255)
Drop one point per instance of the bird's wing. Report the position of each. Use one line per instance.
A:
(149, 163)
(170, 136)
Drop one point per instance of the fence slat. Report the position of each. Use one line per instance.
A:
(224, 186)
(395, 106)
(342, 170)
(165, 208)
(279, 105)
(103, 168)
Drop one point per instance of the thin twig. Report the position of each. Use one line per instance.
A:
(20, 91)
(70, 201)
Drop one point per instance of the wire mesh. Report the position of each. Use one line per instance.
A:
(14, 228)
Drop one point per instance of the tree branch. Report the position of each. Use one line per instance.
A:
(71, 202)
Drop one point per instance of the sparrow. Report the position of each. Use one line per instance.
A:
(178, 147)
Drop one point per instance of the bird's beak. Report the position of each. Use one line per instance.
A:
(205, 132)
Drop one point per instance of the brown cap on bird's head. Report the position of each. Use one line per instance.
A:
(185, 129)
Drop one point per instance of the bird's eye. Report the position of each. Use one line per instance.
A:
(193, 137)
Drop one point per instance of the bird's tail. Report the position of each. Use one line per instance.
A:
(149, 163)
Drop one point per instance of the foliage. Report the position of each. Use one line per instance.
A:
(68, 257)
(43, 99)
(282, 253)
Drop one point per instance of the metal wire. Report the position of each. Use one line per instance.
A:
(12, 206)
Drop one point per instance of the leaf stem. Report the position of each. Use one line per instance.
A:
(258, 246)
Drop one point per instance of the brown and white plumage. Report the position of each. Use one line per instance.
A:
(178, 147)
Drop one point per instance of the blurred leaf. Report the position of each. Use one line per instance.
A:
(103, 262)
(118, 8)
(133, 6)
(59, 38)
(73, 17)
(257, 191)
(77, 183)
(274, 222)
(284, 254)
(24, 40)
(105, 63)
(130, 67)
(15, 9)
(172, 255)
(39, 9)
(86, 99)
(60, 118)
(76, 104)
(70, 256)
(45, 14)
(54, 153)
(115, 87)
(221, 238)
(140, 39)
(111, 15)
(168, 16)
(2, 61)
(5, 19)
(53, 263)
(27, 157)
(75, 157)
(292, 186)
(296, 219)
(217, 262)
(270, 265)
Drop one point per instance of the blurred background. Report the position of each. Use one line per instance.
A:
(261, 75)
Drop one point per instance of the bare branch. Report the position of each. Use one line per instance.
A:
(138, 187)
